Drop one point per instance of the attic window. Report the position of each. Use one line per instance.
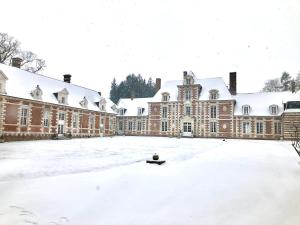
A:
(140, 111)
(102, 104)
(165, 97)
(62, 96)
(37, 93)
(246, 109)
(188, 79)
(84, 102)
(213, 94)
(3, 80)
(273, 109)
(122, 111)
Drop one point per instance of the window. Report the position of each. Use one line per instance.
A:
(84, 102)
(213, 94)
(187, 94)
(213, 127)
(246, 128)
(188, 110)
(188, 81)
(187, 127)
(130, 125)
(61, 116)
(62, 96)
(122, 112)
(246, 109)
(165, 96)
(139, 126)
(63, 100)
(46, 118)
(3, 79)
(37, 93)
(164, 112)
(213, 111)
(140, 111)
(75, 120)
(24, 116)
(277, 128)
(120, 125)
(274, 109)
(164, 126)
(92, 122)
(259, 127)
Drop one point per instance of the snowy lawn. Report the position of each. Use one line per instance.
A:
(105, 181)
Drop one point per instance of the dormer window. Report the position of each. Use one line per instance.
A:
(140, 111)
(3, 80)
(122, 111)
(62, 96)
(273, 109)
(102, 104)
(165, 97)
(213, 94)
(84, 102)
(37, 93)
(188, 78)
(246, 109)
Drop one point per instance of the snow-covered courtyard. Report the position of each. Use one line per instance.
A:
(106, 181)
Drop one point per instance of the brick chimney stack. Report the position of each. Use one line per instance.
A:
(232, 83)
(16, 62)
(157, 84)
(67, 78)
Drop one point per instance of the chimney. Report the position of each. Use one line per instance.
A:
(232, 83)
(16, 62)
(67, 78)
(157, 84)
(184, 74)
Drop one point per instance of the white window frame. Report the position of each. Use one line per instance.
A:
(92, 122)
(164, 126)
(24, 115)
(61, 115)
(213, 111)
(277, 128)
(246, 127)
(164, 112)
(130, 125)
(259, 127)
(246, 109)
(188, 95)
(46, 116)
(139, 125)
(140, 111)
(273, 109)
(213, 127)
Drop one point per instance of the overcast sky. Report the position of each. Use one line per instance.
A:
(96, 40)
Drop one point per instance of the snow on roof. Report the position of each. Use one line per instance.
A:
(206, 83)
(21, 83)
(260, 102)
(132, 105)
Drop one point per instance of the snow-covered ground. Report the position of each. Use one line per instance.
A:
(105, 181)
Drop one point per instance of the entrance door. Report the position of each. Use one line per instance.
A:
(187, 129)
(61, 123)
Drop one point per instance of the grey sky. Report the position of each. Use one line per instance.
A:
(96, 40)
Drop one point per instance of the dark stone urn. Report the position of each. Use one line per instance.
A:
(155, 157)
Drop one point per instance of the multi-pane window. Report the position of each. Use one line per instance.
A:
(120, 125)
(213, 94)
(92, 121)
(246, 128)
(139, 126)
(187, 94)
(259, 127)
(213, 127)
(61, 116)
(213, 111)
(164, 126)
(164, 112)
(129, 125)
(277, 128)
(188, 110)
(274, 109)
(140, 111)
(187, 127)
(63, 100)
(75, 120)
(46, 118)
(24, 116)
(122, 112)
(165, 98)
(246, 109)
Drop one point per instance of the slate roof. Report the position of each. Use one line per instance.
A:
(20, 83)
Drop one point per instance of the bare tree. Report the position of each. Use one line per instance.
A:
(273, 85)
(10, 47)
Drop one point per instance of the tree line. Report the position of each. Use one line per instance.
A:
(283, 83)
(134, 86)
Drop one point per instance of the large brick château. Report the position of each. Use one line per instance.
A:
(34, 106)
(194, 107)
